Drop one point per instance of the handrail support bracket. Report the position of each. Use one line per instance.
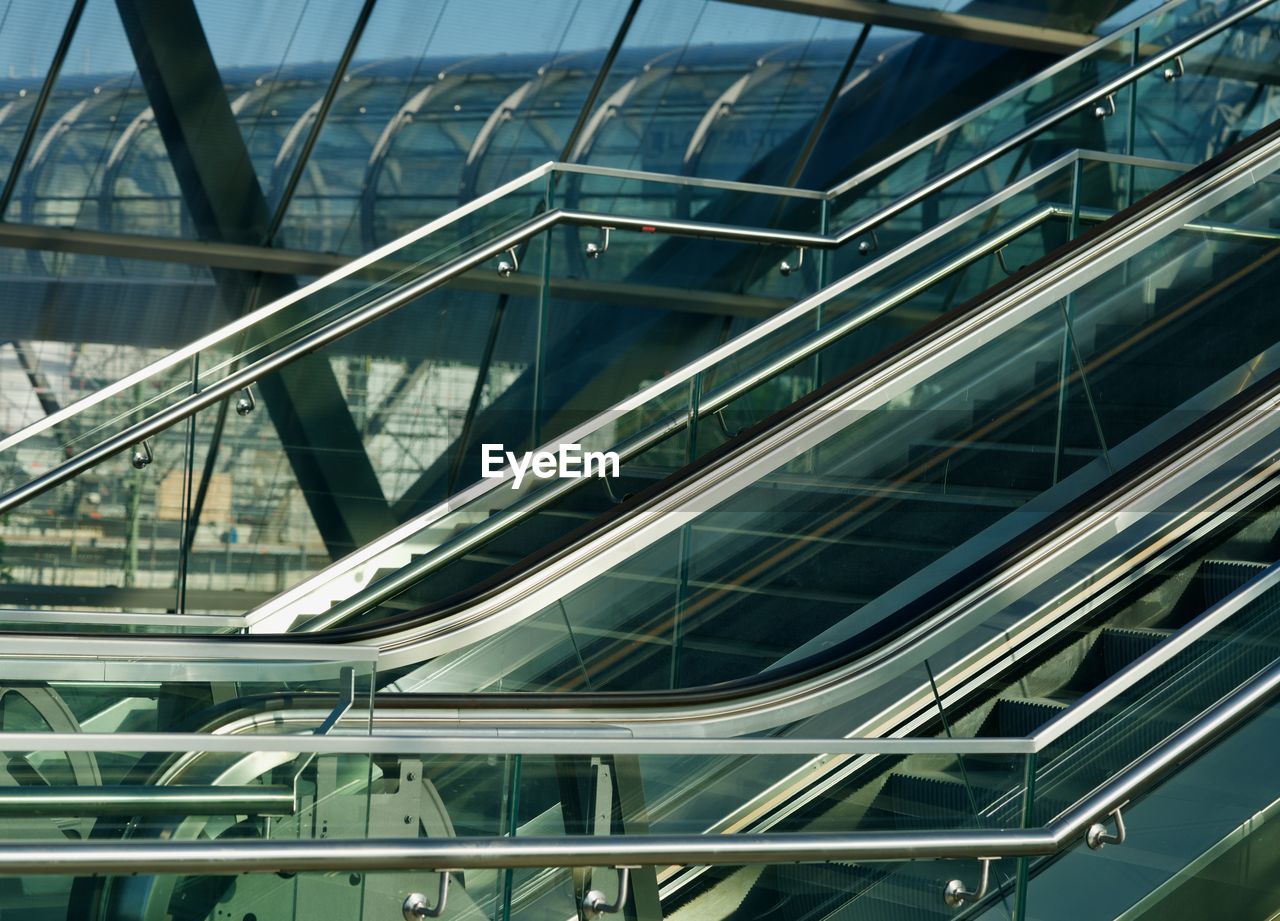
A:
(596, 249)
(957, 894)
(416, 905)
(595, 903)
(1098, 837)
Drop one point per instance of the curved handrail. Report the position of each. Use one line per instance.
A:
(643, 520)
(785, 696)
(646, 518)
(72, 857)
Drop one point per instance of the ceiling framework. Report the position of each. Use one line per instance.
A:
(934, 22)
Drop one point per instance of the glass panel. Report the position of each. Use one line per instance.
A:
(117, 686)
(653, 439)
(500, 342)
(110, 538)
(29, 33)
(827, 550)
(1206, 836)
(283, 323)
(1097, 127)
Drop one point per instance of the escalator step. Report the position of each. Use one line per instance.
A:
(1220, 578)
(1108, 335)
(1123, 645)
(806, 892)
(912, 800)
(1019, 716)
(1003, 465)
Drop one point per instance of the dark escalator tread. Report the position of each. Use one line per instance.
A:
(1019, 716)
(807, 891)
(917, 800)
(1120, 646)
(764, 620)
(1109, 335)
(459, 576)
(857, 567)
(1220, 578)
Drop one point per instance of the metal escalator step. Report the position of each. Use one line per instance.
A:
(1039, 424)
(1122, 645)
(1108, 335)
(1020, 716)
(1001, 464)
(1220, 578)
(1047, 372)
(917, 800)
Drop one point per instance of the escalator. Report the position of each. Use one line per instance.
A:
(903, 464)
(1032, 384)
(1040, 696)
(909, 795)
(380, 531)
(1111, 307)
(949, 470)
(891, 794)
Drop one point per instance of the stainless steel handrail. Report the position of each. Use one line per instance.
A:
(293, 738)
(813, 424)
(327, 855)
(137, 800)
(1059, 115)
(760, 235)
(264, 615)
(711, 403)
(716, 400)
(1239, 174)
(238, 380)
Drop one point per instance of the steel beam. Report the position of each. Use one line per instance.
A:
(934, 22)
(227, 204)
(215, 254)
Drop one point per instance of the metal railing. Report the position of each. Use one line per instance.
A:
(575, 566)
(1100, 255)
(1081, 822)
(1091, 819)
(709, 404)
(792, 239)
(357, 265)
